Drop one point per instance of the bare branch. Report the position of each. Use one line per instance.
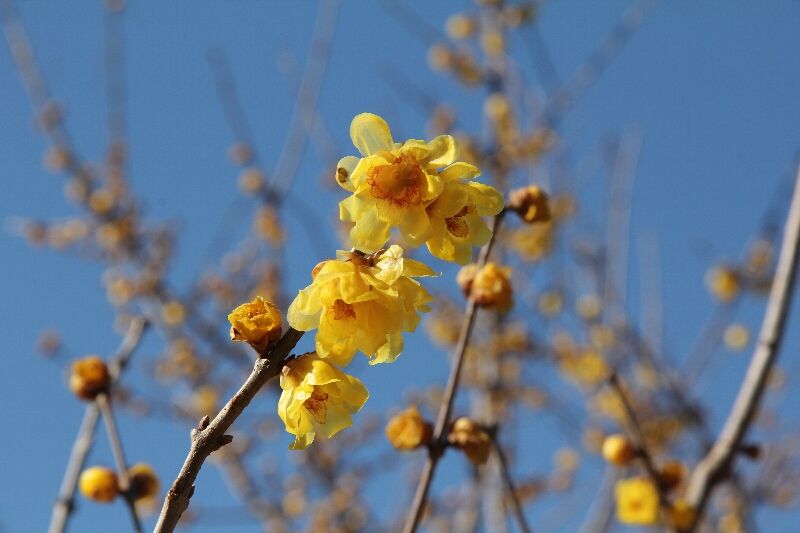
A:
(437, 446)
(717, 463)
(209, 437)
(512, 493)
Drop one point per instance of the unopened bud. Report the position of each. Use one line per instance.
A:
(88, 377)
(530, 203)
(408, 430)
(99, 484)
(471, 438)
(618, 450)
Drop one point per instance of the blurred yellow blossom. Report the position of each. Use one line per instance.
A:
(490, 286)
(736, 337)
(362, 304)
(408, 430)
(88, 377)
(618, 450)
(723, 283)
(637, 501)
(316, 394)
(682, 515)
(98, 483)
(530, 203)
(471, 438)
(258, 323)
(144, 481)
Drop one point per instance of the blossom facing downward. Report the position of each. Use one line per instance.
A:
(362, 303)
(400, 185)
(637, 501)
(470, 438)
(531, 204)
(89, 377)
(258, 323)
(408, 430)
(99, 483)
(317, 395)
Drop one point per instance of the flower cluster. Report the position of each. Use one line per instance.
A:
(400, 185)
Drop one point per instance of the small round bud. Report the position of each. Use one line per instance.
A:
(173, 313)
(736, 337)
(530, 203)
(88, 377)
(671, 474)
(99, 484)
(251, 180)
(490, 285)
(682, 515)
(408, 430)
(723, 283)
(57, 159)
(471, 438)
(460, 26)
(618, 450)
(144, 481)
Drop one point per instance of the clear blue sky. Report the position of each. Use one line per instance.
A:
(713, 85)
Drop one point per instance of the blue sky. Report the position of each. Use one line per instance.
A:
(712, 85)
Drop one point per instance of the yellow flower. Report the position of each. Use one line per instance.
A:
(618, 450)
(469, 437)
(408, 430)
(724, 283)
(258, 323)
(89, 377)
(490, 285)
(392, 184)
(144, 481)
(99, 484)
(637, 501)
(455, 215)
(682, 515)
(316, 394)
(360, 304)
(531, 204)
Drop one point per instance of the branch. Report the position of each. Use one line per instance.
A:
(438, 442)
(716, 465)
(512, 493)
(64, 505)
(209, 437)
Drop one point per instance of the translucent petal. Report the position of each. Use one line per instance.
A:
(489, 202)
(338, 419)
(460, 171)
(416, 228)
(389, 351)
(324, 373)
(304, 312)
(370, 133)
(370, 233)
(344, 171)
(443, 151)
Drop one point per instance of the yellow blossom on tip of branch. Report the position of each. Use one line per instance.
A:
(637, 501)
(362, 304)
(317, 395)
(258, 323)
(394, 183)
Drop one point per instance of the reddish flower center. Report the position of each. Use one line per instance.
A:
(342, 310)
(456, 225)
(398, 183)
(316, 406)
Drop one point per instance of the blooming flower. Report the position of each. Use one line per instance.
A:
(637, 501)
(490, 285)
(257, 323)
(362, 304)
(455, 215)
(316, 394)
(394, 183)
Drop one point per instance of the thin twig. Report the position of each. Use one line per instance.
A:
(512, 493)
(638, 437)
(64, 505)
(209, 437)
(717, 463)
(104, 405)
(437, 447)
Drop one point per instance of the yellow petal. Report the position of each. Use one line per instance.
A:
(443, 151)
(344, 172)
(460, 171)
(389, 351)
(370, 233)
(304, 312)
(370, 133)
(415, 227)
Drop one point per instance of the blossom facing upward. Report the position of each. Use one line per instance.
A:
(360, 303)
(317, 395)
(637, 501)
(400, 185)
(258, 323)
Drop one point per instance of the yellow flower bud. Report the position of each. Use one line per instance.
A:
(469, 437)
(88, 377)
(671, 474)
(460, 26)
(682, 515)
(408, 430)
(490, 285)
(251, 180)
(99, 484)
(737, 337)
(723, 283)
(173, 313)
(530, 203)
(618, 450)
(144, 481)
(637, 501)
(258, 323)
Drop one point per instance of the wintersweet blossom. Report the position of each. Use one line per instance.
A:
(362, 303)
(394, 184)
(637, 501)
(317, 395)
(258, 323)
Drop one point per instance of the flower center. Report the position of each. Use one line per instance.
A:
(456, 225)
(399, 182)
(316, 406)
(342, 310)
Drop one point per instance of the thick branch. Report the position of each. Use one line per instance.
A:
(209, 437)
(438, 443)
(716, 465)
